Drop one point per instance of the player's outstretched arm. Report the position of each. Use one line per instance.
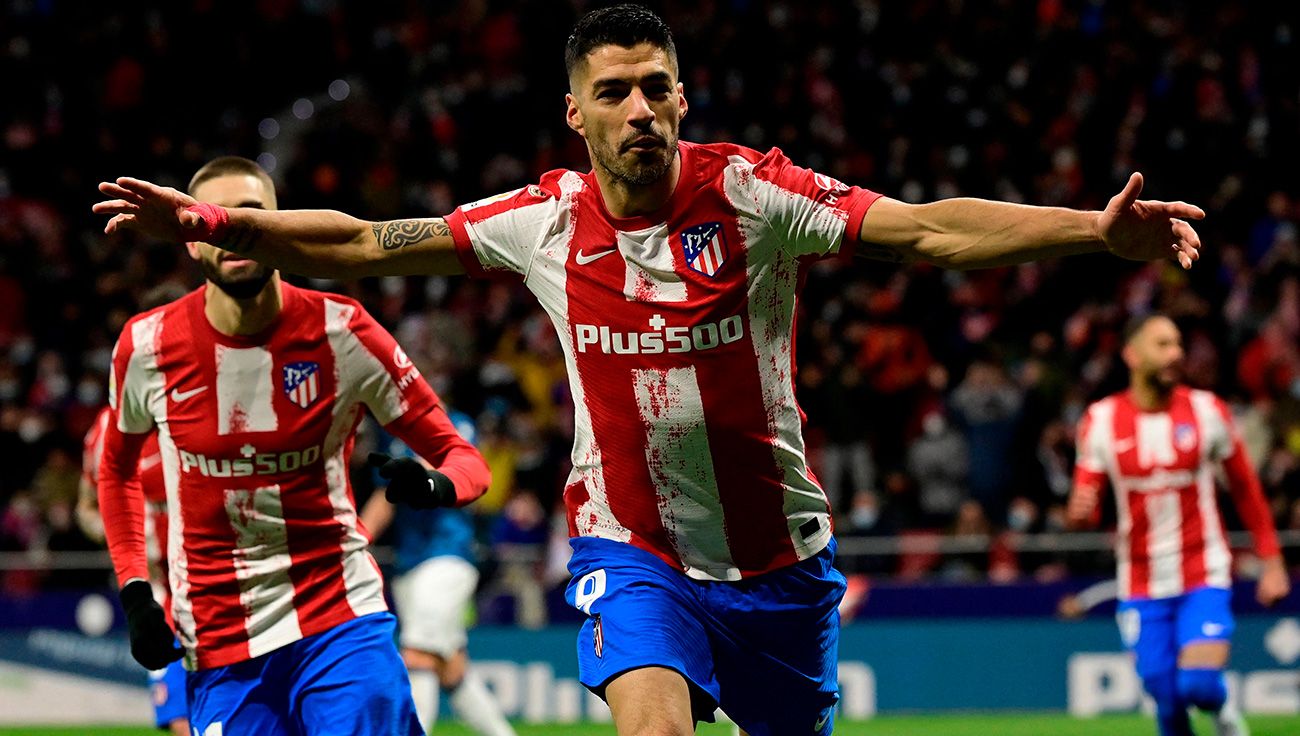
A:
(977, 233)
(322, 243)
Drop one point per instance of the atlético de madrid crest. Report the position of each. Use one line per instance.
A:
(704, 247)
(302, 383)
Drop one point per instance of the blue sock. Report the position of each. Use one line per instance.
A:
(1203, 688)
(1171, 710)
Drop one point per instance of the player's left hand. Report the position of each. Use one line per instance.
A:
(412, 484)
(1274, 583)
(1148, 230)
(142, 206)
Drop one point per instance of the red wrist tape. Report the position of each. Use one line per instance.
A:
(214, 222)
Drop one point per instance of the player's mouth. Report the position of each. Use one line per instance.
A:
(644, 143)
(234, 261)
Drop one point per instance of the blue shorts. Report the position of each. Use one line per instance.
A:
(347, 680)
(764, 649)
(170, 698)
(1157, 629)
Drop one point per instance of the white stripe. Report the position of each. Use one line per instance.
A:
(244, 386)
(262, 562)
(705, 259)
(1155, 440)
(715, 247)
(681, 470)
(814, 228)
(650, 274)
(361, 377)
(178, 571)
(361, 580)
(1165, 543)
(773, 278)
(1216, 443)
(143, 400)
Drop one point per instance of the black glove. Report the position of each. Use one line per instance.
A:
(412, 484)
(153, 644)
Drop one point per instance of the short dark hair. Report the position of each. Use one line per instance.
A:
(1135, 324)
(623, 25)
(236, 165)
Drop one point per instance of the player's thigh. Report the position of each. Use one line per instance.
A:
(432, 602)
(168, 690)
(640, 614)
(1205, 627)
(1148, 629)
(246, 697)
(651, 700)
(776, 644)
(350, 679)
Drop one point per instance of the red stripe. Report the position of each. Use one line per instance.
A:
(595, 297)
(208, 537)
(1181, 412)
(1139, 559)
(750, 482)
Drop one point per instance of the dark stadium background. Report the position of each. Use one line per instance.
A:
(944, 401)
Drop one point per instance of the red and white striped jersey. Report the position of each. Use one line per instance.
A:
(678, 333)
(1161, 466)
(255, 433)
(149, 478)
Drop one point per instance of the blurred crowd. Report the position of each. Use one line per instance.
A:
(938, 402)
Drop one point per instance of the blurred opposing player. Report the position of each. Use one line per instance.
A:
(435, 577)
(1158, 445)
(255, 388)
(702, 542)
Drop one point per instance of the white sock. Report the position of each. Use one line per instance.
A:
(478, 709)
(424, 691)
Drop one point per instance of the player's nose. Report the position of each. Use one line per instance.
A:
(640, 113)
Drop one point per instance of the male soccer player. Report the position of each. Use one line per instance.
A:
(254, 388)
(434, 583)
(702, 542)
(1158, 444)
(166, 685)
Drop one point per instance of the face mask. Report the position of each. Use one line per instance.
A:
(865, 517)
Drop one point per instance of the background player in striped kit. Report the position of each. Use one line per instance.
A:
(167, 686)
(1159, 444)
(254, 388)
(702, 542)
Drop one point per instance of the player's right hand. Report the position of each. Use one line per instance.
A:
(147, 208)
(412, 484)
(153, 644)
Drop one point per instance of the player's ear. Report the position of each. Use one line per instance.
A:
(682, 107)
(573, 115)
(193, 248)
(1129, 354)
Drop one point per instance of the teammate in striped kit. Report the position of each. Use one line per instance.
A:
(254, 389)
(1158, 444)
(166, 685)
(702, 542)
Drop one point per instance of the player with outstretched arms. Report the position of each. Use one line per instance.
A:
(702, 542)
(1158, 445)
(254, 388)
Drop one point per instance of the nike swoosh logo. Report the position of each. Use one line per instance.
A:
(1123, 446)
(147, 463)
(179, 396)
(821, 722)
(585, 258)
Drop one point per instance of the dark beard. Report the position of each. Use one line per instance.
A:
(637, 174)
(244, 287)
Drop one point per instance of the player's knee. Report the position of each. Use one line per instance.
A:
(1203, 688)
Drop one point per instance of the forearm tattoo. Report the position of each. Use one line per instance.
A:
(240, 238)
(396, 234)
(876, 252)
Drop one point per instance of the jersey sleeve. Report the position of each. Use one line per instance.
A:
(374, 367)
(121, 503)
(1089, 464)
(814, 214)
(1243, 483)
(129, 381)
(500, 234)
(433, 437)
